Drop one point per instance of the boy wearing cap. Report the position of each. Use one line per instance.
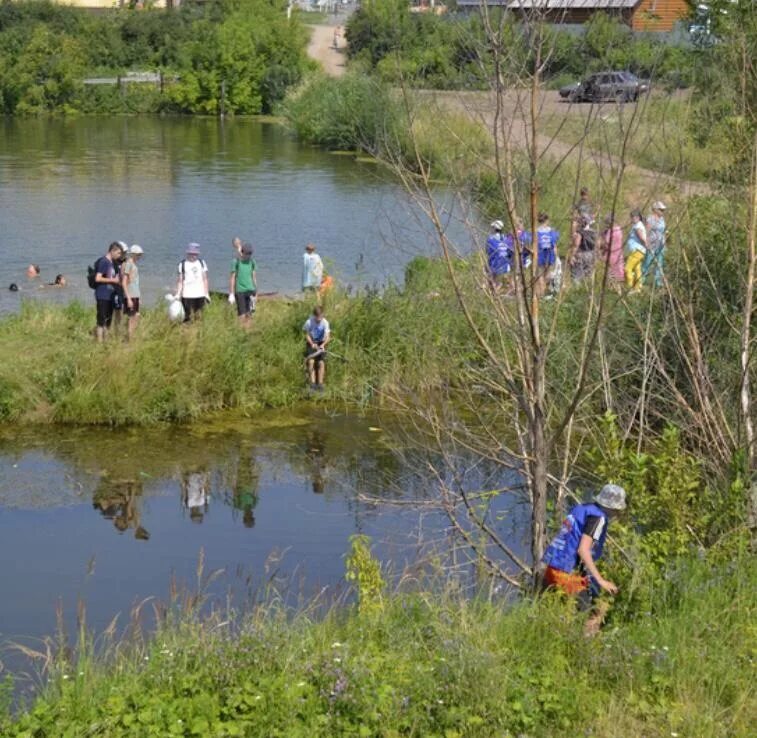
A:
(498, 254)
(570, 557)
(243, 284)
(130, 284)
(653, 259)
(192, 286)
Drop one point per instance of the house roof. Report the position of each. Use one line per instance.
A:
(557, 4)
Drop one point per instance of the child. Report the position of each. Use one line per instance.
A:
(571, 557)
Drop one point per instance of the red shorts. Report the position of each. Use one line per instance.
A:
(571, 584)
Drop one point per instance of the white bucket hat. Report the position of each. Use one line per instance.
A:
(498, 225)
(612, 497)
(136, 249)
(659, 205)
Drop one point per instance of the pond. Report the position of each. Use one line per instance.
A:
(109, 517)
(69, 187)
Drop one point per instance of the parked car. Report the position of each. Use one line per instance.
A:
(618, 86)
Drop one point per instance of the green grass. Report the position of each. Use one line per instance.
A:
(661, 138)
(429, 664)
(51, 370)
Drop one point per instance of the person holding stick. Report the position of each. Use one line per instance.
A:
(317, 336)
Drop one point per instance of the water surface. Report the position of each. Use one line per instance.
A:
(69, 187)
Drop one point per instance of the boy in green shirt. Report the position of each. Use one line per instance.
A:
(243, 285)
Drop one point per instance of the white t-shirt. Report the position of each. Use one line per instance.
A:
(193, 271)
(312, 270)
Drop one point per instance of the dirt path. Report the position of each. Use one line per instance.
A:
(321, 48)
(481, 107)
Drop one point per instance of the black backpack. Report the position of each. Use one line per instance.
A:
(91, 274)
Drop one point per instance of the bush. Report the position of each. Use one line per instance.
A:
(249, 45)
(351, 112)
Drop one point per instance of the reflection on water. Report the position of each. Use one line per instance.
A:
(110, 517)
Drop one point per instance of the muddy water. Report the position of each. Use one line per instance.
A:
(109, 517)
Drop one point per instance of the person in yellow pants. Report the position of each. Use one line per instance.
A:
(636, 249)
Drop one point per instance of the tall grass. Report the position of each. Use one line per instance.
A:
(51, 370)
(425, 664)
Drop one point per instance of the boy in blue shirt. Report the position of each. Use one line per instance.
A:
(570, 557)
(546, 252)
(498, 254)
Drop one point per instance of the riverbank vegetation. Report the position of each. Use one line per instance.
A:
(235, 55)
(421, 664)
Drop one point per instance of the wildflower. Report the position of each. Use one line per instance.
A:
(336, 644)
(337, 660)
(300, 684)
(65, 676)
(147, 658)
(673, 734)
(258, 696)
(665, 648)
(440, 702)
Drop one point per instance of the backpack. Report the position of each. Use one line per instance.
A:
(184, 261)
(91, 275)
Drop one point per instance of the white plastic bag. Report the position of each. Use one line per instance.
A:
(175, 309)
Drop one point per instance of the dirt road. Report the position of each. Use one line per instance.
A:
(321, 48)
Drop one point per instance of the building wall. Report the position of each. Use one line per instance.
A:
(658, 15)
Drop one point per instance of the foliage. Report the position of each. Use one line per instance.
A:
(361, 112)
(430, 663)
(726, 86)
(249, 46)
(453, 51)
(351, 112)
(364, 571)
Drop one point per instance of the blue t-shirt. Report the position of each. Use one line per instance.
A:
(634, 242)
(498, 254)
(318, 331)
(105, 267)
(546, 241)
(562, 552)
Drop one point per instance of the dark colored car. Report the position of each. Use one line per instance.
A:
(618, 86)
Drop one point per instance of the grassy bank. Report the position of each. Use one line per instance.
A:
(427, 665)
(51, 370)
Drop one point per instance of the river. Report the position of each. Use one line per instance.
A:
(107, 517)
(69, 187)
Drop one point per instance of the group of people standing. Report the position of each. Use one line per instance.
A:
(115, 281)
(641, 259)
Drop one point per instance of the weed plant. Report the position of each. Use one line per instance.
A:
(51, 370)
(431, 664)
